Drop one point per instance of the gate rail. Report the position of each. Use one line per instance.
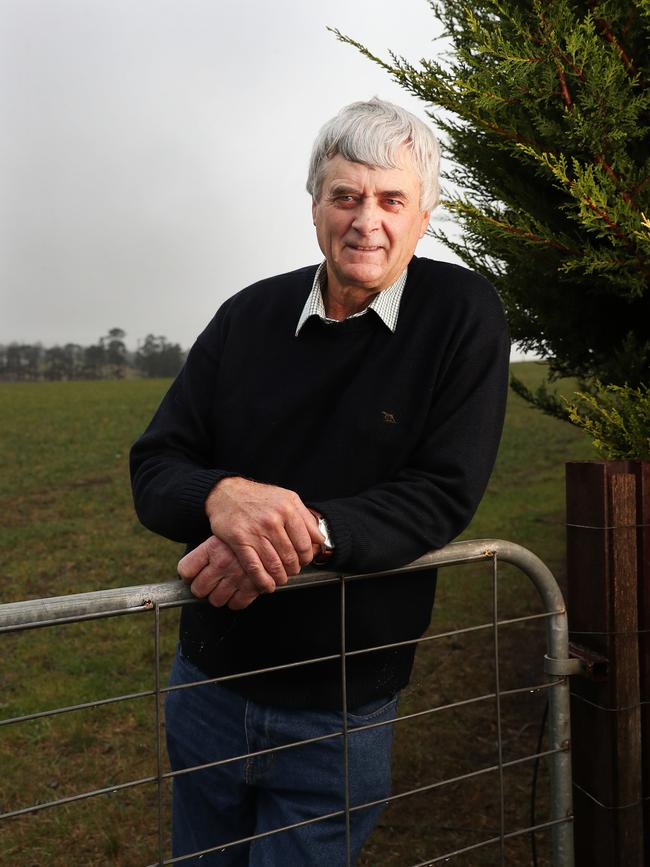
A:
(38, 613)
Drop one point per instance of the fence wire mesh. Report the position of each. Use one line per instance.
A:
(156, 599)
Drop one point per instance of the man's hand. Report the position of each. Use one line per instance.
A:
(213, 571)
(269, 529)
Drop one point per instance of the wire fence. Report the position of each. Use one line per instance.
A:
(154, 599)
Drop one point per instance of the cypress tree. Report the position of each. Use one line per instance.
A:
(543, 109)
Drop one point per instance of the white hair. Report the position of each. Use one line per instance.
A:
(372, 133)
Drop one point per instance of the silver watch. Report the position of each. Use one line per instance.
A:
(327, 543)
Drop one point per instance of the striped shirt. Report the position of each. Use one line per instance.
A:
(385, 303)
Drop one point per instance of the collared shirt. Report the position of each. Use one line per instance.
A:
(385, 304)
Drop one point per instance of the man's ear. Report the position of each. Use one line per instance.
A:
(314, 205)
(425, 222)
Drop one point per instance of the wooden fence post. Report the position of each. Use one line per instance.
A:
(642, 473)
(603, 602)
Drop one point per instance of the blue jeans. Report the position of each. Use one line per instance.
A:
(214, 806)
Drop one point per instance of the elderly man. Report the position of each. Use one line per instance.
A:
(345, 414)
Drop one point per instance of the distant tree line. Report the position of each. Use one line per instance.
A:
(107, 359)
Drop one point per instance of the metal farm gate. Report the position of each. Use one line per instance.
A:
(152, 599)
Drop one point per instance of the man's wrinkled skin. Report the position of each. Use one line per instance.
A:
(262, 535)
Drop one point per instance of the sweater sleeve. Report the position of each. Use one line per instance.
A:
(171, 471)
(432, 499)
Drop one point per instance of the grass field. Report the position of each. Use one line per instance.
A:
(68, 526)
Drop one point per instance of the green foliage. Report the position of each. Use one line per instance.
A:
(541, 397)
(543, 108)
(158, 358)
(617, 418)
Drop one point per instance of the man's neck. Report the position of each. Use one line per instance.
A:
(342, 302)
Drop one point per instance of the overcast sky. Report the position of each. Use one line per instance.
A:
(154, 152)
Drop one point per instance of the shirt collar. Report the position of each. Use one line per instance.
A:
(385, 304)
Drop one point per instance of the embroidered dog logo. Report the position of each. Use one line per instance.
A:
(389, 418)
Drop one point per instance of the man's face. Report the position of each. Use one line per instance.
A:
(368, 222)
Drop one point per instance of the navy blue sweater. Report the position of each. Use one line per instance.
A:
(392, 436)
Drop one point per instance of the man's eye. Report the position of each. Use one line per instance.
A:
(393, 202)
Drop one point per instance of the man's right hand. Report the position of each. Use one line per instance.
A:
(268, 528)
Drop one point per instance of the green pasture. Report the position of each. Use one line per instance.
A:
(68, 526)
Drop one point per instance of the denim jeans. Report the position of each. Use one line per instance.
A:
(217, 805)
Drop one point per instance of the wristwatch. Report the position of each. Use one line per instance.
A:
(327, 546)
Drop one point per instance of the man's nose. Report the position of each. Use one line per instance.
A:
(366, 217)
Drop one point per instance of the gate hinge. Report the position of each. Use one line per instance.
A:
(582, 661)
(562, 667)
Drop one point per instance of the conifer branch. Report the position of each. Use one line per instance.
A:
(641, 185)
(604, 216)
(555, 50)
(576, 70)
(509, 134)
(566, 96)
(530, 236)
(600, 159)
(606, 31)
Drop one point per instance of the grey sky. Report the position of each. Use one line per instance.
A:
(154, 152)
